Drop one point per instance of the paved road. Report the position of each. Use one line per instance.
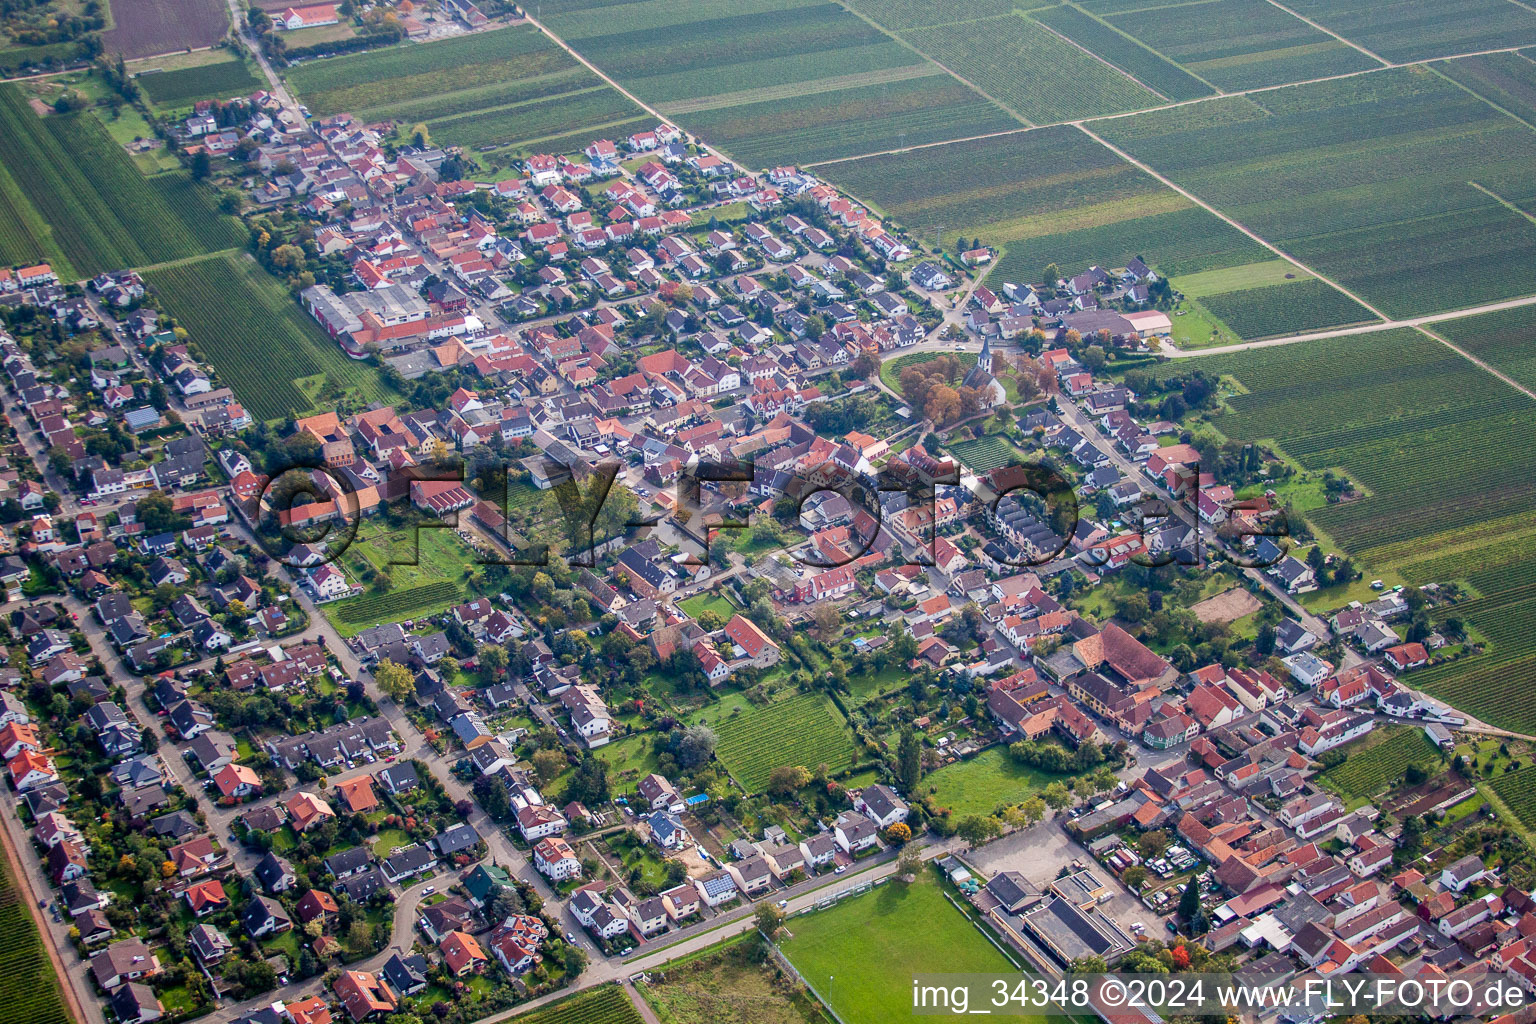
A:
(275, 84)
(801, 897)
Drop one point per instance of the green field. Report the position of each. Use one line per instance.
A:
(605, 1005)
(805, 730)
(505, 88)
(861, 954)
(1409, 30)
(1053, 195)
(981, 454)
(1032, 70)
(1505, 340)
(71, 196)
(1446, 455)
(429, 568)
(903, 14)
(1232, 279)
(890, 369)
(1148, 66)
(208, 81)
(29, 987)
(1240, 44)
(1291, 308)
(1381, 182)
(729, 985)
(1497, 562)
(841, 123)
(1375, 764)
(698, 604)
(1518, 791)
(987, 782)
(259, 340)
(1505, 79)
(670, 50)
(1438, 443)
(774, 81)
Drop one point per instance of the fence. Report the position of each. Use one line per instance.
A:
(789, 968)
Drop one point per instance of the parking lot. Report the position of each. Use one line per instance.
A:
(1041, 851)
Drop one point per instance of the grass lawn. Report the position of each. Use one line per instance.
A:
(286, 943)
(429, 570)
(890, 370)
(982, 784)
(728, 986)
(177, 999)
(698, 604)
(634, 854)
(861, 955)
(388, 841)
(866, 687)
(1236, 279)
(628, 759)
(1194, 326)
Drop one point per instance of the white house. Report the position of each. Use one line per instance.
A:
(881, 805)
(555, 859)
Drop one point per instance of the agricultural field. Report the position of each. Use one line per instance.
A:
(1374, 764)
(987, 782)
(665, 51)
(1411, 30)
(1445, 454)
(1505, 340)
(1495, 561)
(982, 454)
(804, 730)
(1437, 443)
(1291, 308)
(775, 81)
(834, 125)
(903, 14)
(1241, 44)
(1507, 80)
(861, 954)
(72, 196)
(275, 357)
(480, 91)
(1396, 184)
(729, 986)
(1518, 791)
(1031, 70)
(605, 1005)
(143, 28)
(30, 987)
(1146, 65)
(171, 89)
(428, 567)
(1053, 195)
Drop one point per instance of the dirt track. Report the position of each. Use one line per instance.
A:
(1228, 606)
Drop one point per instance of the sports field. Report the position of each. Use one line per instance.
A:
(860, 955)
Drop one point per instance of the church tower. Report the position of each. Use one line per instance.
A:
(984, 360)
